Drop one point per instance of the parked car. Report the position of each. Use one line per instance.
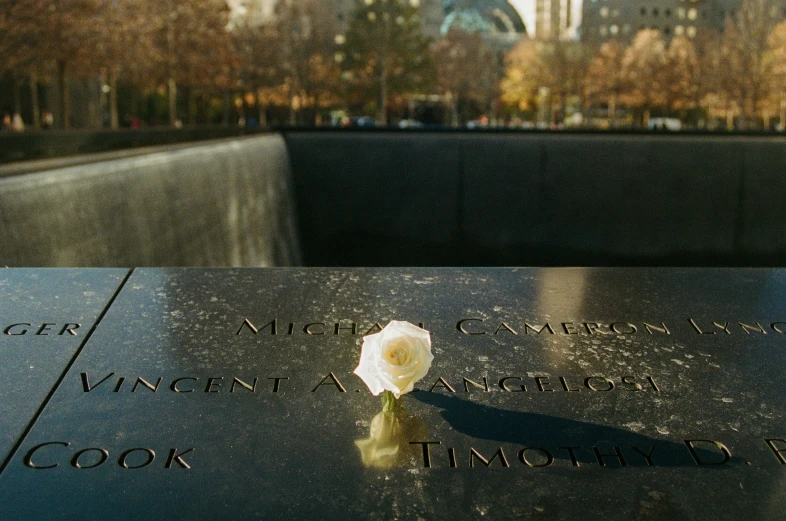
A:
(671, 124)
(362, 121)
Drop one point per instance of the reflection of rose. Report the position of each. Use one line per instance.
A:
(395, 358)
(388, 441)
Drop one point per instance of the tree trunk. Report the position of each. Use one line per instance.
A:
(65, 95)
(34, 101)
(227, 100)
(17, 95)
(114, 122)
(613, 110)
(262, 111)
(192, 106)
(172, 89)
(317, 114)
(782, 118)
(382, 112)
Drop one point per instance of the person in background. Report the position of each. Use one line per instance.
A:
(17, 125)
(6, 122)
(47, 120)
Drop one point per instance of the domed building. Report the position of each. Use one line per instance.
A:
(497, 20)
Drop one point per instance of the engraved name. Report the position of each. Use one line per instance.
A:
(519, 384)
(44, 329)
(183, 384)
(702, 452)
(52, 454)
(316, 328)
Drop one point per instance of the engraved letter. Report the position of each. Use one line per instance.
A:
(748, 329)
(334, 382)
(452, 458)
(277, 382)
(28, 459)
(243, 384)
(505, 327)
(774, 327)
(572, 454)
(101, 459)
(647, 456)
(661, 329)
(174, 457)
(70, 329)
(617, 454)
(546, 326)
(698, 329)
(151, 455)
(43, 329)
(145, 383)
(503, 384)
(594, 327)
(566, 387)
(460, 326)
(631, 329)
(213, 382)
(475, 454)
(7, 330)
(569, 328)
(523, 457)
(173, 386)
(426, 454)
(307, 328)
(442, 383)
(717, 444)
(468, 382)
(86, 382)
(724, 327)
(775, 450)
(247, 323)
(626, 380)
(353, 328)
(543, 382)
(376, 328)
(588, 383)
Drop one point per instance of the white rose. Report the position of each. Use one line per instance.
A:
(395, 358)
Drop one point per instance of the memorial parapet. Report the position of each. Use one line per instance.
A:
(554, 393)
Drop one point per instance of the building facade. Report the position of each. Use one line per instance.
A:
(622, 19)
(496, 19)
(553, 19)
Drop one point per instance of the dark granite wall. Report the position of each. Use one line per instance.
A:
(435, 198)
(405, 198)
(224, 203)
